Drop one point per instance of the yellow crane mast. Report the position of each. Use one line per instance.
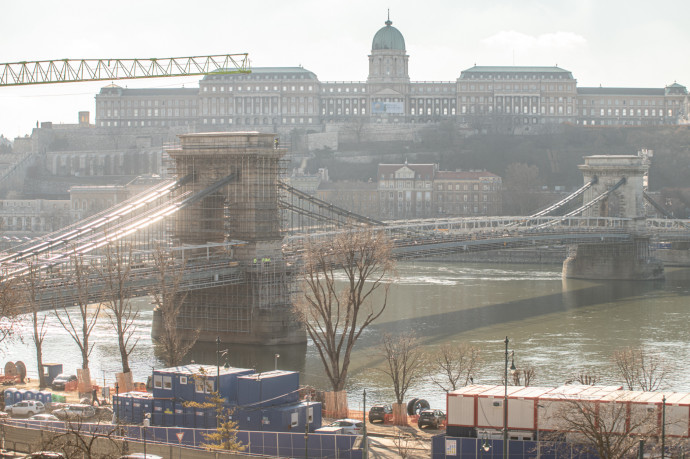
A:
(73, 70)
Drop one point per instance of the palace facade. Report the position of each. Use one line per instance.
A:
(279, 99)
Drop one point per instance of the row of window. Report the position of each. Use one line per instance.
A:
(240, 88)
(151, 112)
(517, 99)
(403, 184)
(518, 87)
(130, 102)
(525, 110)
(259, 76)
(626, 112)
(608, 122)
(631, 102)
(256, 121)
(201, 385)
(498, 76)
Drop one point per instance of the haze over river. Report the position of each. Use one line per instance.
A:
(559, 327)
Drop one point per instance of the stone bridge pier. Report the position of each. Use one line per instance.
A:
(258, 310)
(615, 260)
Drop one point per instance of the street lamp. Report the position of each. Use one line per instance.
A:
(485, 447)
(365, 448)
(147, 423)
(277, 356)
(217, 360)
(663, 427)
(505, 400)
(117, 394)
(306, 431)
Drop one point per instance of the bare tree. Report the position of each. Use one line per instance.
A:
(335, 311)
(169, 299)
(404, 360)
(85, 440)
(116, 273)
(455, 365)
(520, 182)
(524, 376)
(9, 309)
(355, 128)
(609, 429)
(31, 289)
(587, 379)
(640, 368)
(80, 320)
(405, 443)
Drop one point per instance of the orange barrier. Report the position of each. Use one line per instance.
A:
(71, 386)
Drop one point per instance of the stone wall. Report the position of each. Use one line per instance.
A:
(613, 261)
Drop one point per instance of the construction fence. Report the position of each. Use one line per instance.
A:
(29, 436)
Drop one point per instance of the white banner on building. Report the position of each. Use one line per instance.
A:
(395, 108)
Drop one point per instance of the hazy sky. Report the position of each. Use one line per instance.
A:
(631, 43)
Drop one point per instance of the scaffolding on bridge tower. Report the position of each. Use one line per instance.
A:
(245, 207)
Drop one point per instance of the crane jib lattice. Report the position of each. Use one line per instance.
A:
(73, 70)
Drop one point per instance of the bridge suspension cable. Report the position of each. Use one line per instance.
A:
(323, 205)
(78, 230)
(588, 205)
(73, 70)
(565, 201)
(86, 239)
(656, 205)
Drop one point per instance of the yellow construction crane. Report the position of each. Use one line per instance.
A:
(66, 70)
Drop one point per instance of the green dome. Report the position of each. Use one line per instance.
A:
(388, 38)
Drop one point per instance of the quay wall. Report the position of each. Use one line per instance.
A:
(613, 261)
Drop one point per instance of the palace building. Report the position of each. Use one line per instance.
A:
(507, 99)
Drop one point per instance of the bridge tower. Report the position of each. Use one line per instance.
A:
(627, 201)
(258, 310)
(630, 260)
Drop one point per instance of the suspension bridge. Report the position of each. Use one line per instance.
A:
(233, 233)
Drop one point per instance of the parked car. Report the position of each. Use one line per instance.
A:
(75, 412)
(330, 430)
(431, 418)
(26, 408)
(62, 379)
(44, 417)
(350, 426)
(379, 412)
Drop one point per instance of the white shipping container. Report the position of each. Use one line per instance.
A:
(490, 406)
(461, 405)
(677, 414)
(541, 409)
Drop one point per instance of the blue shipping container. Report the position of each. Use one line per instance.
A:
(157, 417)
(269, 388)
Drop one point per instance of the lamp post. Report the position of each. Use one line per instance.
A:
(663, 427)
(505, 400)
(306, 431)
(217, 360)
(365, 449)
(217, 385)
(117, 394)
(277, 356)
(485, 447)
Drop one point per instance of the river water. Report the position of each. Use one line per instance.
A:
(559, 327)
